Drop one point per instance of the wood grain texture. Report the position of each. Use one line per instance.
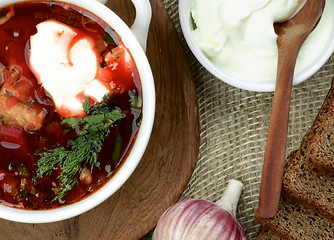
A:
(291, 36)
(168, 162)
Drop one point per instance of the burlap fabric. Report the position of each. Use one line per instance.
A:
(234, 125)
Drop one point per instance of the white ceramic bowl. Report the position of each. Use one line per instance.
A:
(305, 73)
(139, 30)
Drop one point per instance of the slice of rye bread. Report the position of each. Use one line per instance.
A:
(265, 234)
(325, 113)
(295, 222)
(300, 184)
(320, 155)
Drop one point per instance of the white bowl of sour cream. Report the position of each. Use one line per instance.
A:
(236, 42)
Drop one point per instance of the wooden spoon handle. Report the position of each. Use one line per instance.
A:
(273, 166)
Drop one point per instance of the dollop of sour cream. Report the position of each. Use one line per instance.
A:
(239, 37)
(66, 64)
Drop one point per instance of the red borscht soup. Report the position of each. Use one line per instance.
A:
(70, 104)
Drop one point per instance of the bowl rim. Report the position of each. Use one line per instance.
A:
(299, 77)
(138, 147)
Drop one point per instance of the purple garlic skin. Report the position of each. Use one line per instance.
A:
(192, 219)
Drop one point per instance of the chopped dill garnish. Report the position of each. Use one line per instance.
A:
(2, 119)
(31, 102)
(51, 3)
(139, 120)
(135, 104)
(133, 99)
(117, 149)
(108, 39)
(84, 150)
(108, 170)
(9, 93)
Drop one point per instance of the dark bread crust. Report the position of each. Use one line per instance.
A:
(320, 158)
(300, 184)
(295, 222)
(265, 234)
(320, 155)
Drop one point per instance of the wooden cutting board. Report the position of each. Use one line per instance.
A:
(168, 162)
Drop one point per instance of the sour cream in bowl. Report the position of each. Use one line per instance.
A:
(236, 42)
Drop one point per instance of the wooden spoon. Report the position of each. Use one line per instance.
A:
(291, 36)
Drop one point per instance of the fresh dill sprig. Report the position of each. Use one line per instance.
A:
(133, 99)
(84, 150)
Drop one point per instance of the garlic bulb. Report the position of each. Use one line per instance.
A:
(193, 219)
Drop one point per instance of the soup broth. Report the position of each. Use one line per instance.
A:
(50, 156)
